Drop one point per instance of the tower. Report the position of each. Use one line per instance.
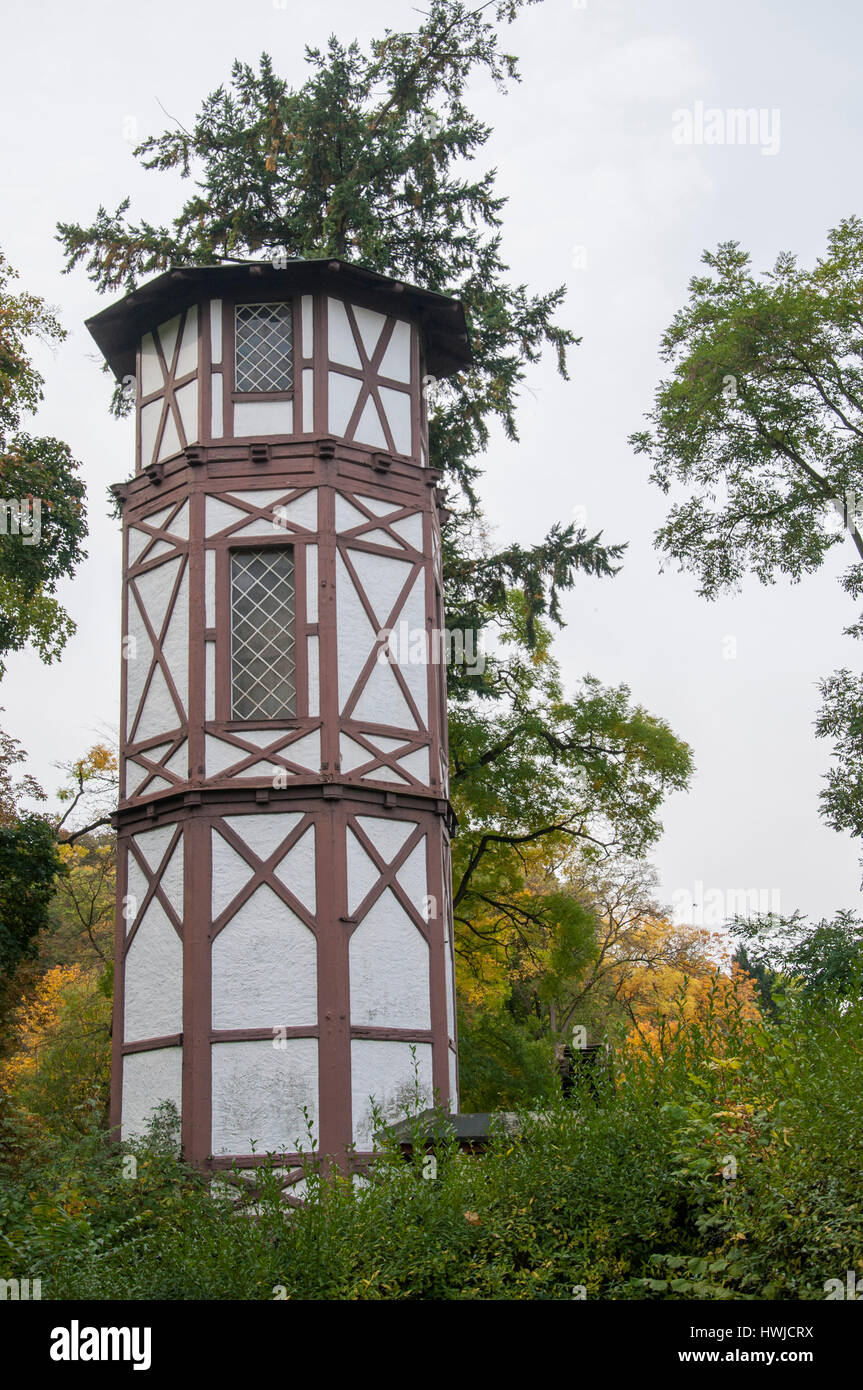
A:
(284, 931)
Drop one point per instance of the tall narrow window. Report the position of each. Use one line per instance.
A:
(263, 347)
(263, 672)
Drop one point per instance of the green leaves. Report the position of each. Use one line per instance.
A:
(761, 423)
(823, 961)
(29, 863)
(586, 1195)
(42, 517)
(371, 158)
(762, 416)
(367, 160)
(42, 473)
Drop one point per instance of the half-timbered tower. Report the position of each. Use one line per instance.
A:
(284, 942)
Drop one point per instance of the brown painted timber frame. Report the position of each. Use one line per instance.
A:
(329, 796)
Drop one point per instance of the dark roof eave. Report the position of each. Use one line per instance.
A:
(118, 328)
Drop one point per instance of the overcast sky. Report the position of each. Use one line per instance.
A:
(601, 196)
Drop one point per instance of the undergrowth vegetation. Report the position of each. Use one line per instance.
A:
(720, 1162)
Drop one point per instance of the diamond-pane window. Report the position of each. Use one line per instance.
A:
(263, 672)
(263, 347)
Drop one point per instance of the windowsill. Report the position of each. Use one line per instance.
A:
(238, 397)
(236, 726)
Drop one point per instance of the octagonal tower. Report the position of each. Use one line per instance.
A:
(284, 930)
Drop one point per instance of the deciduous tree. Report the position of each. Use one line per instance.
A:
(39, 475)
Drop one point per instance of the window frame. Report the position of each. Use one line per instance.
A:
(255, 545)
(230, 331)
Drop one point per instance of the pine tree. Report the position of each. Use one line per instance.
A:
(369, 160)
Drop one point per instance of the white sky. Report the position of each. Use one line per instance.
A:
(585, 153)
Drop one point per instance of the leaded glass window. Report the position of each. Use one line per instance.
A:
(263, 672)
(263, 347)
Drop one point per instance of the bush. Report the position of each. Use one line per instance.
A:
(718, 1164)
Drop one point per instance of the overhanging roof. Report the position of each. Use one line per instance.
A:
(119, 328)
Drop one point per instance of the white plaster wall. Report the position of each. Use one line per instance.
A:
(377, 505)
(386, 835)
(369, 429)
(216, 331)
(156, 784)
(172, 879)
(342, 347)
(388, 838)
(153, 991)
(410, 528)
(210, 587)
(159, 715)
(231, 873)
(263, 417)
(396, 361)
(308, 402)
(148, 1078)
(412, 876)
(415, 672)
(311, 583)
(187, 360)
(397, 405)
(385, 1071)
(379, 537)
(153, 843)
(170, 442)
(265, 831)
(136, 542)
(155, 587)
(389, 969)
(152, 378)
(150, 416)
(314, 676)
(302, 511)
(160, 548)
(383, 578)
(262, 737)
(347, 515)
(343, 394)
(168, 338)
(136, 888)
(178, 763)
(220, 755)
(305, 751)
(297, 870)
(210, 680)
(260, 497)
(138, 655)
(220, 515)
(351, 755)
(381, 700)
(259, 526)
(370, 324)
(417, 764)
(217, 405)
(180, 525)
(187, 403)
(386, 745)
(175, 647)
(258, 1093)
(356, 635)
(264, 967)
(450, 986)
(308, 325)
